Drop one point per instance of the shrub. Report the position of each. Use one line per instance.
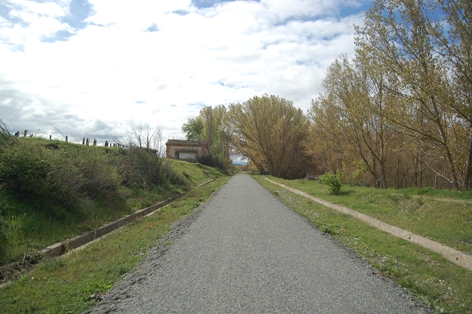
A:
(142, 168)
(24, 171)
(333, 181)
(98, 177)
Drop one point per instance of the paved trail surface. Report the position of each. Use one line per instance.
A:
(246, 252)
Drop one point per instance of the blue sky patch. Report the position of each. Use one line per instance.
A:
(152, 28)
(350, 10)
(202, 4)
(180, 12)
(59, 36)
(79, 11)
(5, 13)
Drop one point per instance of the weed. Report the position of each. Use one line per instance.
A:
(97, 287)
(333, 181)
(330, 229)
(12, 228)
(53, 264)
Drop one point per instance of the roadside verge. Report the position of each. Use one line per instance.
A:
(460, 258)
(68, 245)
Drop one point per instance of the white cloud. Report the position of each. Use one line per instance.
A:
(28, 21)
(114, 70)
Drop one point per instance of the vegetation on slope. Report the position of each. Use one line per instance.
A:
(66, 284)
(52, 190)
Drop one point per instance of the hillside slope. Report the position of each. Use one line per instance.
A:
(53, 190)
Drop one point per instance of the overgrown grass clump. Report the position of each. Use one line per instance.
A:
(443, 217)
(52, 190)
(333, 181)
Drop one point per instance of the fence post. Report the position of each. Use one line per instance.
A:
(24, 133)
(67, 138)
(83, 141)
(87, 142)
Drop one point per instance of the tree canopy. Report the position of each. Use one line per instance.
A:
(269, 131)
(397, 114)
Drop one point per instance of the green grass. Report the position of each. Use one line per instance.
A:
(64, 285)
(443, 216)
(27, 226)
(440, 284)
(194, 173)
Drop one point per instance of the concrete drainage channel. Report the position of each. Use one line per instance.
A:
(453, 255)
(60, 248)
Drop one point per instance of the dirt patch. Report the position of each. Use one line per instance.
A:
(13, 271)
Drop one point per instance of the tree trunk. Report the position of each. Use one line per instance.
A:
(468, 166)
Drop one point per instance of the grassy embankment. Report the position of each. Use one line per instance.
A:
(51, 190)
(444, 216)
(54, 190)
(65, 284)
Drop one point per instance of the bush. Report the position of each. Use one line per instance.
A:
(57, 179)
(79, 174)
(333, 181)
(143, 168)
(23, 173)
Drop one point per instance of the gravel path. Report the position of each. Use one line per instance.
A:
(246, 252)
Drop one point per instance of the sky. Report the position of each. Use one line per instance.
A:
(95, 68)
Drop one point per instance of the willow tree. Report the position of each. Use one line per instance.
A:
(325, 142)
(351, 115)
(193, 129)
(453, 42)
(269, 131)
(403, 36)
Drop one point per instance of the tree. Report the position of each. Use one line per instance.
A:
(194, 129)
(209, 127)
(143, 136)
(359, 99)
(269, 131)
(324, 139)
(398, 34)
(454, 43)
